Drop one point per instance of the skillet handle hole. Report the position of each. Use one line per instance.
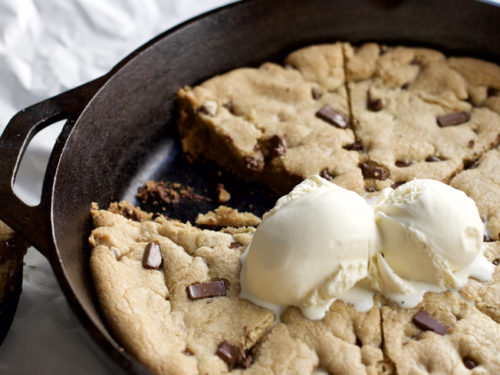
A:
(29, 178)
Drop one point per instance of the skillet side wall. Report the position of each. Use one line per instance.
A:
(135, 109)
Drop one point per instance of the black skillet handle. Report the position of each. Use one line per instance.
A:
(33, 222)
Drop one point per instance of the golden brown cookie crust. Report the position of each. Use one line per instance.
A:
(263, 124)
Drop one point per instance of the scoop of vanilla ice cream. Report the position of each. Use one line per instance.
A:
(429, 232)
(309, 249)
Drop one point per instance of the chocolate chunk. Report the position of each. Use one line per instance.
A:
(222, 194)
(402, 164)
(373, 104)
(131, 213)
(355, 146)
(235, 245)
(326, 175)
(397, 184)
(253, 164)
(487, 237)
(229, 353)
(426, 322)
(432, 158)
(234, 356)
(152, 258)
(373, 170)
(452, 119)
(332, 116)
(370, 189)
(209, 289)
(496, 262)
(316, 94)
(277, 145)
(229, 106)
(469, 363)
(471, 143)
(405, 86)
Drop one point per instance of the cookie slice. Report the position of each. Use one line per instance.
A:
(442, 335)
(345, 341)
(486, 295)
(281, 353)
(169, 292)
(418, 114)
(12, 250)
(481, 182)
(275, 124)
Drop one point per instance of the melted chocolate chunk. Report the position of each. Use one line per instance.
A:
(373, 104)
(235, 245)
(330, 115)
(469, 363)
(432, 158)
(397, 184)
(277, 145)
(326, 175)
(229, 353)
(425, 321)
(253, 164)
(373, 170)
(496, 262)
(452, 119)
(131, 213)
(402, 164)
(234, 356)
(487, 237)
(316, 94)
(152, 258)
(209, 289)
(355, 146)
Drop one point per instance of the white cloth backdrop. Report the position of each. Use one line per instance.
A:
(46, 47)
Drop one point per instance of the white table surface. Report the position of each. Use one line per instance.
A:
(46, 47)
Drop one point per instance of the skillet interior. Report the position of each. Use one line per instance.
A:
(126, 135)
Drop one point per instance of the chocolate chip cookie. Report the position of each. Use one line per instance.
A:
(169, 292)
(363, 117)
(12, 250)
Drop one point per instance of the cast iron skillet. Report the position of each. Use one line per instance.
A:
(121, 127)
